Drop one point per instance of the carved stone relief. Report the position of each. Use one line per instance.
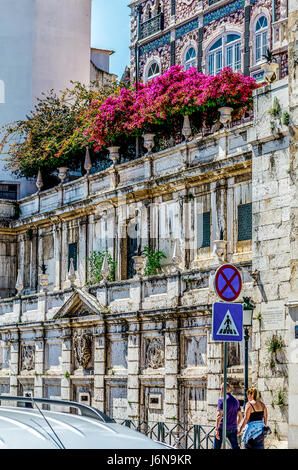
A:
(155, 353)
(82, 348)
(28, 354)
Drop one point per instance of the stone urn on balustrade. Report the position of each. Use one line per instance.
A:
(62, 173)
(225, 115)
(114, 154)
(149, 142)
(44, 281)
(186, 129)
(138, 265)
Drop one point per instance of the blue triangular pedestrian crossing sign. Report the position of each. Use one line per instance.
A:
(227, 326)
(227, 322)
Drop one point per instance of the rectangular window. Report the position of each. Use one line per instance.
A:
(204, 230)
(73, 253)
(8, 191)
(244, 222)
(264, 45)
(230, 57)
(237, 57)
(258, 47)
(218, 61)
(211, 64)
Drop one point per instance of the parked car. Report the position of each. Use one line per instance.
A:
(27, 425)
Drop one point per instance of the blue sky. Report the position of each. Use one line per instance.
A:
(111, 30)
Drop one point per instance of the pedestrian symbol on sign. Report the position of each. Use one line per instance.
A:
(228, 326)
(227, 322)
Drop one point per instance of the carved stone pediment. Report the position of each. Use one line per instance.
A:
(80, 304)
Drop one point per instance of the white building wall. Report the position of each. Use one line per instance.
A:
(43, 44)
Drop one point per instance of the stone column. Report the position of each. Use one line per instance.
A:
(99, 368)
(82, 251)
(66, 361)
(22, 254)
(133, 369)
(39, 364)
(57, 229)
(14, 361)
(171, 406)
(214, 372)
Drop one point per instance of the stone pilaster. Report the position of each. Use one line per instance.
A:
(57, 232)
(99, 368)
(39, 366)
(171, 406)
(133, 366)
(214, 372)
(66, 365)
(14, 362)
(82, 252)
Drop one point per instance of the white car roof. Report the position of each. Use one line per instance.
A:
(27, 428)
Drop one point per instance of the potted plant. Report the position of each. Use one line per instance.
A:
(270, 67)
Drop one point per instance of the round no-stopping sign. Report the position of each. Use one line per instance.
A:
(228, 282)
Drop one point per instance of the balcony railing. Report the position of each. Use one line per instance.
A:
(178, 435)
(151, 26)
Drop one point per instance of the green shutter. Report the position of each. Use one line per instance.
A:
(73, 253)
(244, 222)
(204, 230)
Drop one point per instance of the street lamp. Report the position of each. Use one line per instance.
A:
(247, 323)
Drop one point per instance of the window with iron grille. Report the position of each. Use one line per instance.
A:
(8, 191)
(244, 222)
(73, 253)
(204, 230)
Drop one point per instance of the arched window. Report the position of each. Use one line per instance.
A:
(225, 52)
(153, 71)
(190, 58)
(261, 44)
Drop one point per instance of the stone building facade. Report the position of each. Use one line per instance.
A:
(207, 34)
(140, 347)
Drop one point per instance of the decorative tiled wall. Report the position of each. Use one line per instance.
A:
(165, 39)
(224, 11)
(187, 28)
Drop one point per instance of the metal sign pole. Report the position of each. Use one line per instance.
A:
(224, 431)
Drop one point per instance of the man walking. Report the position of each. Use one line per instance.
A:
(234, 416)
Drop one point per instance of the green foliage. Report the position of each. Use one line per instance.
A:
(281, 398)
(285, 118)
(275, 111)
(17, 210)
(153, 259)
(96, 262)
(268, 56)
(275, 344)
(259, 316)
(67, 374)
(52, 135)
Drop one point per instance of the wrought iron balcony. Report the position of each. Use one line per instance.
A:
(151, 26)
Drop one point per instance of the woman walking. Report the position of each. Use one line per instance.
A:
(255, 421)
